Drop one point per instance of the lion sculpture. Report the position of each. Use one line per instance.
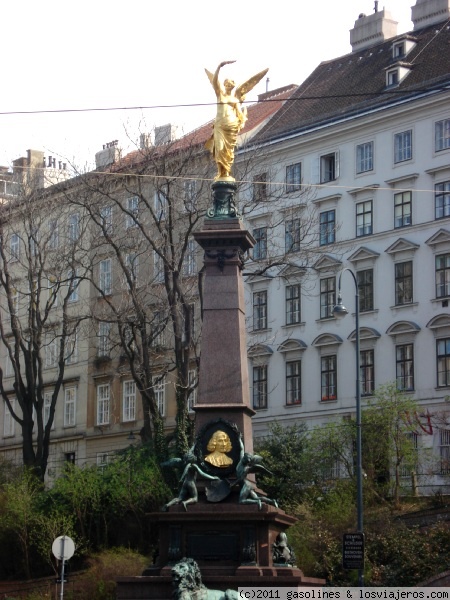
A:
(187, 584)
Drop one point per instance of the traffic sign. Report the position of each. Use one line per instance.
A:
(63, 547)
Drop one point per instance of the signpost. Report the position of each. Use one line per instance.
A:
(353, 551)
(63, 548)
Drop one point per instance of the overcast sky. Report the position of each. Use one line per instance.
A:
(102, 54)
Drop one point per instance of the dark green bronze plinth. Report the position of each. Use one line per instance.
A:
(224, 205)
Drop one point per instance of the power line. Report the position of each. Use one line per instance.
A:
(396, 92)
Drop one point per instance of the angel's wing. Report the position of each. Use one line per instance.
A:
(248, 85)
(210, 76)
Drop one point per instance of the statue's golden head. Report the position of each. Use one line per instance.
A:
(219, 441)
(229, 85)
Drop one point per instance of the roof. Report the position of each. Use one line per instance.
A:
(356, 82)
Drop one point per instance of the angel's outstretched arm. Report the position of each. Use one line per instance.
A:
(205, 475)
(214, 78)
(261, 469)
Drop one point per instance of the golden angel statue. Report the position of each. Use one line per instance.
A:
(230, 119)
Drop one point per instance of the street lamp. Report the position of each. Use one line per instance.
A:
(339, 312)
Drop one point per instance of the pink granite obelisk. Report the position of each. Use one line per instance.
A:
(223, 378)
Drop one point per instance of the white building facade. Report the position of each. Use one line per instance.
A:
(364, 148)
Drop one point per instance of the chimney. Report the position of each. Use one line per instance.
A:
(429, 12)
(109, 155)
(372, 29)
(165, 134)
(145, 141)
(35, 158)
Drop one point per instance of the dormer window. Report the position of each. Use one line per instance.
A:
(402, 47)
(392, 77)
(395, 74)
(398, 50)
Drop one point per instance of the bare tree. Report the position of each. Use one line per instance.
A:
(143, 212)
(42, 267)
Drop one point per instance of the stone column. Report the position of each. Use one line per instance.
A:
(223, 378)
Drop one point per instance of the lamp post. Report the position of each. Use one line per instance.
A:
(339, 312)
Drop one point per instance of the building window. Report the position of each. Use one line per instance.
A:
(159, 323)
(105, 277)
(402, 209)
(70, 398)
(328, 373)
(260, 387)
(69, 458)
(102, 460)
(260, 248)
(364, 157)
(293, 383)
(365, 289)
(158, 267)
(188, 323)
(403, 146)
(443, 362)
(103, 404)
(190, 195)
(444, 450)
(53, 286)
(192, 383)
(293, 177)
(293, 314)
(259, 188)
(327, 297)
(71, 353)
(106, 222)
(364, 213)
(161, 205)
(46, 409)
(159, 388)
(328, 167)
(327, 227)
(74, 283)
(9, 371)
(260, 310)
(442, 135)
(404, 356)
(53, 234)
(189, 260)
(392, 77)
(51, 351)
(367, 372)
(132, 266)
(74, 227)
(34, 240)
(292, 236)
(443, 275)
(8, 419)
(15, 297)
(129, 401)
(398, 50)
(403, 283)
(442, 200)
(14, 247)
(104, 343)
(132, 212)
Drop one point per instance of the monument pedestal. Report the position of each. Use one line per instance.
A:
(231, 542)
